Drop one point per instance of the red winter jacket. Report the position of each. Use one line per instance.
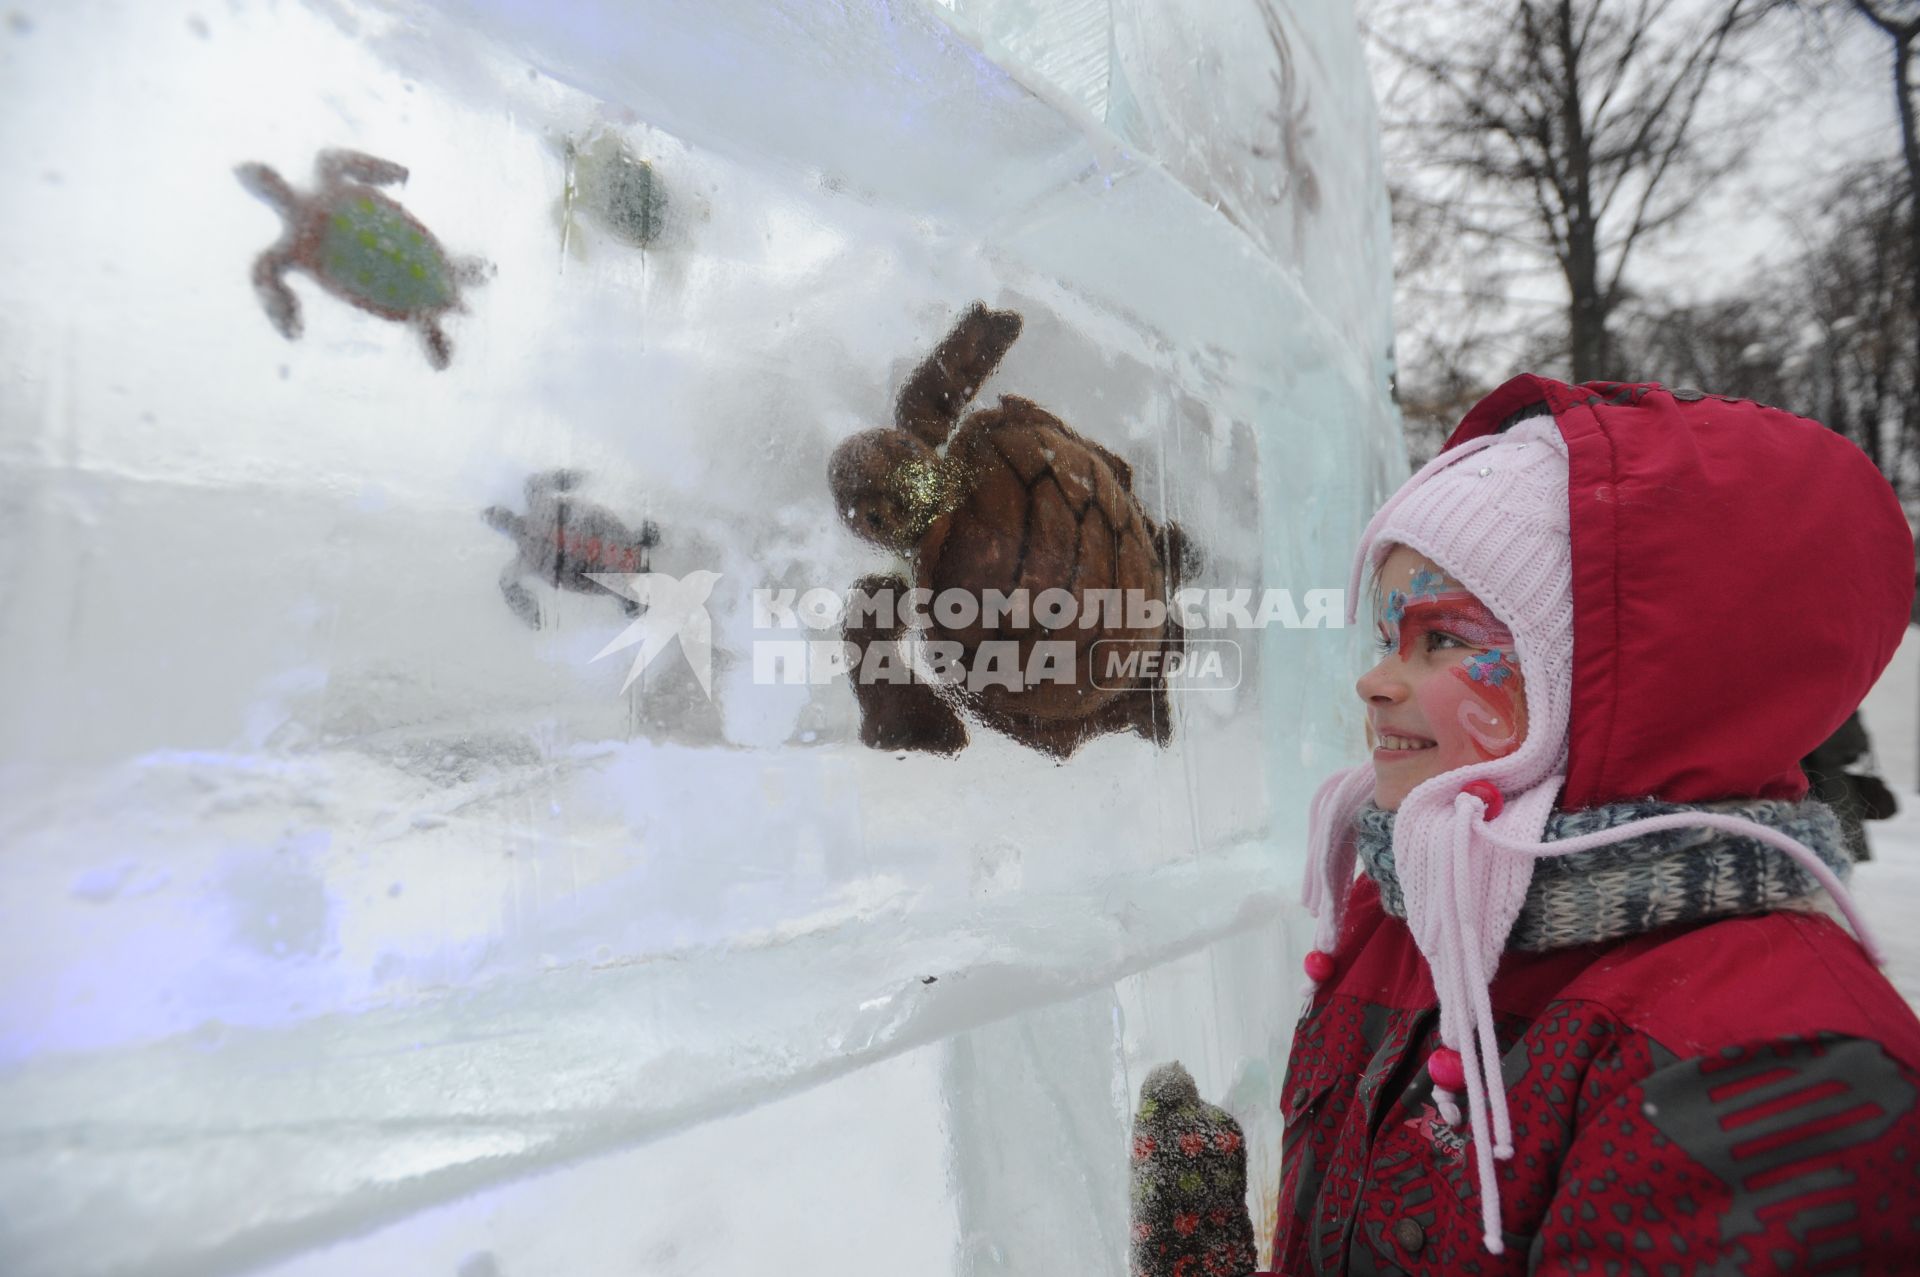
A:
(1734, 1096)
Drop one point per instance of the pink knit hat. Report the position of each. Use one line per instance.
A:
(1492, 512)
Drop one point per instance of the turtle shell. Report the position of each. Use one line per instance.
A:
(628, 197)
(1043, 508)
(370, 251)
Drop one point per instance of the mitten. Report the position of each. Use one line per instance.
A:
(1189, 1184)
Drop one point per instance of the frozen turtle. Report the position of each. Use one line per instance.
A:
(619, 191)
(562, 540)
(1019, 501)
(361, 246)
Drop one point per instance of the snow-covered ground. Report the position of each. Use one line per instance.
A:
(1888, 889)
(1888, 886)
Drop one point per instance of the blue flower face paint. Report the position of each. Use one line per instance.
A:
(1493, 668)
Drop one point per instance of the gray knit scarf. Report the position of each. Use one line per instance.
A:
(1644, 881)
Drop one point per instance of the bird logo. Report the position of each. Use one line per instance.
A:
(671, 608)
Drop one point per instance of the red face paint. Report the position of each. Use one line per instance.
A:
(1482, 717)
(1447, 691)
(1456, 614)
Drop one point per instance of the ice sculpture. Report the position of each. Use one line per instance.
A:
(369, 910)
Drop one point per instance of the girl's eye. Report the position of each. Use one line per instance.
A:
(1382, 641)
(1440, 640)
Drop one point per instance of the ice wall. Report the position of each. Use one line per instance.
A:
(351, 923)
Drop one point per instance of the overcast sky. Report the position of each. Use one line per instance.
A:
(1832, 105)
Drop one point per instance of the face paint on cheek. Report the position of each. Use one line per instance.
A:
(1473, 719)
(1493, 733)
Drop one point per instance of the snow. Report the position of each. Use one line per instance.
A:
(1888, 886)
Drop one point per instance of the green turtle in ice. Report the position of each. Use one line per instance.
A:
(361, 246)
(619, 191)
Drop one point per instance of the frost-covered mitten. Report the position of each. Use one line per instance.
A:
(1189, 1183)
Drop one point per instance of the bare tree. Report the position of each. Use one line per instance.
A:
(1452, 317)
(1900, 22)
(1571, 130)
(1831, 334)
(1858, 288)
(1746, 345)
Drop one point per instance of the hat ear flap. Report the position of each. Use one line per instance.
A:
(1332, 849)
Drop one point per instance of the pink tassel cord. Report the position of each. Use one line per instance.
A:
(1466, 1008)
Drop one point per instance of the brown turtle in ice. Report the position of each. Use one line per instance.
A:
(361, 246)
(562, 540)
(1020, 501)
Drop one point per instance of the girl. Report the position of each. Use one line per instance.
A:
(1576, 1012)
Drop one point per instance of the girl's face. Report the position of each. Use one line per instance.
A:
(1447, 690)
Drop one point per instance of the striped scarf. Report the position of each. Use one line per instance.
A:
(1646, 881)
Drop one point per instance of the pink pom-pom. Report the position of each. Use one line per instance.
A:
(1319, 966)
(1444, 1067)
(1486, 792)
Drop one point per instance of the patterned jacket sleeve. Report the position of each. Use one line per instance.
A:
(1791, 1155)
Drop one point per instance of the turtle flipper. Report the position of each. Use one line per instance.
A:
(905, 715)
(270, 284)
(1145, 711)
(471, 272)
(360, 167)
(947, 380)
(501, 519)
(518, 597)
(439, 349)
(1180, 556)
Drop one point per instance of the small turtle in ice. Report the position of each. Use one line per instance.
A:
(562, 539)
(620, 191)
(361, 246)
(1019, 502)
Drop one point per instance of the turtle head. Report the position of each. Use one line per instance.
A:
(889, 487)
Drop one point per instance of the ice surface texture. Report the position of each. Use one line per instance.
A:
(354, 918)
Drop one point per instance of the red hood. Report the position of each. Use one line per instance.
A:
(1740, 578)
